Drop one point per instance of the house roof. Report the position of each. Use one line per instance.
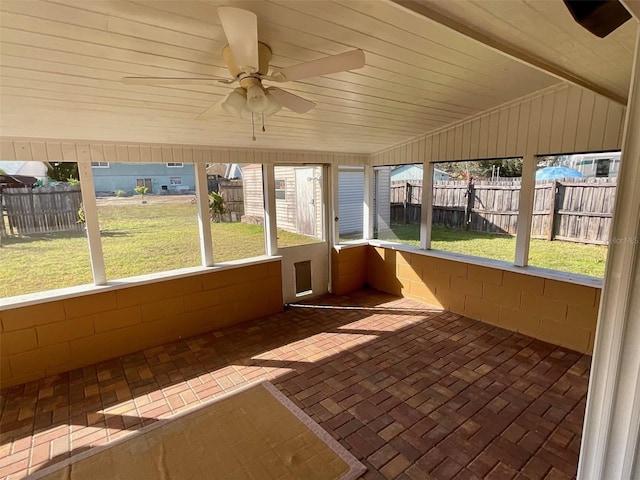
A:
(426, 67)
(11, 167)
(417, 166)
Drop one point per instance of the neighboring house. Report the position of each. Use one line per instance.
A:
(27, 169)
(298, 199)
(591, 165)
(160, 178)
(414, 172)
(350, 200)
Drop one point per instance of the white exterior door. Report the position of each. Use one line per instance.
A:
(301, 219)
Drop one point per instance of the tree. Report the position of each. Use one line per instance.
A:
(63, 171)
(460, 170)
(554, 161)
(2, 172)
(507, 167)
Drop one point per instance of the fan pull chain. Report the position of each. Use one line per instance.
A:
(263, 129)
(253, 128)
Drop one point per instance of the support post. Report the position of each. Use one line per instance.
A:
(334, 215)
(426, 208)
(269, 195)
(525, 215)
(368, 207)
(91, 223)
(552, 210)
(610, 437)
(204, 217)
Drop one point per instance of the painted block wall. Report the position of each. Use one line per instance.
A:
(557, 312)
(348, 268)
(61, 335)
(57, 336)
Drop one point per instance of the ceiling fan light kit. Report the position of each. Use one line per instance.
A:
(248, 62)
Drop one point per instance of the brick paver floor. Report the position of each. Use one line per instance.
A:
(412, 392)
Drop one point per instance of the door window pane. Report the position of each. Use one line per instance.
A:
(299, 215)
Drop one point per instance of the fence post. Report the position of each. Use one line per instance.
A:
(3, 231)
(552, 211)
(468, 207)
(407, 192)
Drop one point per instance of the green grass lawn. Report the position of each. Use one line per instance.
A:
(154, 237)
(557, 255)
(136, 239)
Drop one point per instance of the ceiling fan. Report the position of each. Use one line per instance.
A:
(248, 62)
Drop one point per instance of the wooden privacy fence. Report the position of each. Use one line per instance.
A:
(578, 210)
(40, 210)
(406, 199)
(232, 193)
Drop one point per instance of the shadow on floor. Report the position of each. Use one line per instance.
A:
(411, 392)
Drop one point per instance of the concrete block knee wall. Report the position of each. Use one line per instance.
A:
(558, 312)
(60, 335)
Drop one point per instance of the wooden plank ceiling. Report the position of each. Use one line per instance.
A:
(61, 63)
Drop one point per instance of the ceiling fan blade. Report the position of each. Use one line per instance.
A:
(241, 29)
(214, 110)
(323, 66)
(174, 80)
(291, 101)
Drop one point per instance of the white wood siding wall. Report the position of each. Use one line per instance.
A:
(286, 208)
(350, 200)
(252, 191)
(560, 119)
(79, 151)
(383, 200)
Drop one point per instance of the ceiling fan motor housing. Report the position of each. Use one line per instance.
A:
(264, 55)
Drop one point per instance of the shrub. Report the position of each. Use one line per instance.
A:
(140, 190)
(121, 193)
(81, 216)
(216, 207)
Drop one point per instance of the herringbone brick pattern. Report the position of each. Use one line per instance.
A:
(413, 393)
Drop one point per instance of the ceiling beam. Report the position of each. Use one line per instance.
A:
(512, 52)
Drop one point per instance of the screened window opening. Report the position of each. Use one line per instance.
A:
(237, 211)
(476, 206)
(43, 243)
(397, 200)
(573, 211)
(145, 227)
